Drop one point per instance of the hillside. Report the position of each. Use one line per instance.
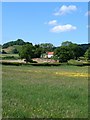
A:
(12, 49)
(13, 46)
(11, 43)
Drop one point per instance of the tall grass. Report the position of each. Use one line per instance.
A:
(38, 92)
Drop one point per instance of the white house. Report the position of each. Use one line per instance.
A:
(50, 54)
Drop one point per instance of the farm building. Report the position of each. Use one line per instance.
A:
(47, 55)
(50, 54)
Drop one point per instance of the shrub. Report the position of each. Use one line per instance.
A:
(3, 52)
(11, 63)
(45, 64)
(33, 64)
(75, 62)
(9, 57)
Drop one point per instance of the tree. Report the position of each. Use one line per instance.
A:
(66, 43)
(67, 51)
(76, 51)
(62, 53)
(87, 54)
(37, 51)
(19, 42)
(27, 52)
(46, 47)
(3, 52)
(14, 51)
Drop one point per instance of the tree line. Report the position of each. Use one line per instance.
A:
(63, 53)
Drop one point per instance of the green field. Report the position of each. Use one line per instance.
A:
(16, 56)
(45, 92)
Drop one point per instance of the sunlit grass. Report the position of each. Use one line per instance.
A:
(73, 74)
(45, 92)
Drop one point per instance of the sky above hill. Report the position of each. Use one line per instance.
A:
(45, 22)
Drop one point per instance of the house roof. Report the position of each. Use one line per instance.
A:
(50, 53)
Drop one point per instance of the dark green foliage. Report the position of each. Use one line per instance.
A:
(10, 57)
(11, 63)
(0, 48)
(3, 52)
(15, 51)
(68, 51)
(17, 42)
(87, 54)
(55, 57)
(46, 47)
(27, 52)
(37, 51)
(28, 43)
(33, 61)
(66, 43)
(76, 51)
(84, 46)
(62, 54)
(45, 64)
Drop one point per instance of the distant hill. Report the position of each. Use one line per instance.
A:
(17, 42)
(13, 46)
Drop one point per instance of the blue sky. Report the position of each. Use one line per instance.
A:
(45, 22)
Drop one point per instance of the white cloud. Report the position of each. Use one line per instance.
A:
(66, 9)
(53, 22)
(87, 13)
(63, 28)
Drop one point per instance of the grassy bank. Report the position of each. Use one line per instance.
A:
(45, 92)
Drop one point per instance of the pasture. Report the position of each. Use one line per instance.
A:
(9, 56)
(45, 92)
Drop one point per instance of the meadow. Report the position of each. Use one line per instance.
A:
(45, 92)
(9, 56)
